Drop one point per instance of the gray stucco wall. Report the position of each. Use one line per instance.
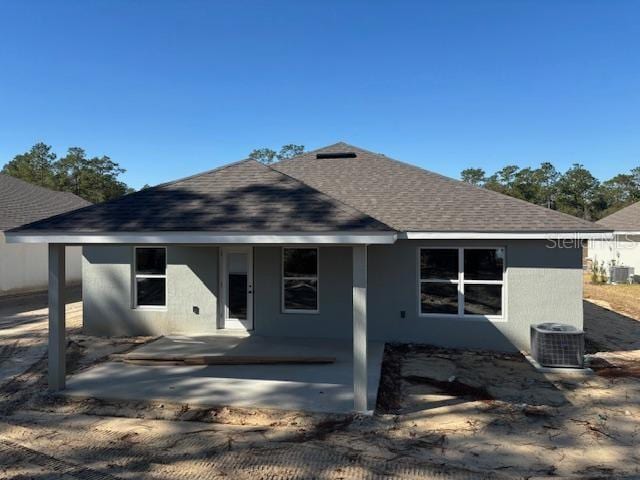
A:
(192, 278)
(334, 317)
(542, 284)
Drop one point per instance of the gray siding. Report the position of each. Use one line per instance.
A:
(192, 278)
(542, 284)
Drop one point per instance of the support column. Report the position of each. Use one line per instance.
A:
(360, 328)
(57, 339)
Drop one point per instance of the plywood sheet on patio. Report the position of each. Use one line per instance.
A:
(312, 388)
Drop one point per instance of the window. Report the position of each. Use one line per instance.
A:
(300, 280)
(150, 282)
(463, 282)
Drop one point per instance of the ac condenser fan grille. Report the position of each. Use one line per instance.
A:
(557, 345)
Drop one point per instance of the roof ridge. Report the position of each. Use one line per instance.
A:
(460, 182)
(337, 200)
(454, 181)
(206, 172)
(269, 167)
(309, 152)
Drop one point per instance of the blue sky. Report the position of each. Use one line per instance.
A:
(168, 89)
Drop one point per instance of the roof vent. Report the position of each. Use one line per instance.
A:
(336, 155)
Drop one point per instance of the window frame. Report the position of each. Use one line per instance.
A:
(460, 283)
(283, 279)
(135, 275)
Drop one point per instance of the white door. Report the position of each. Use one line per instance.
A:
(236, 288)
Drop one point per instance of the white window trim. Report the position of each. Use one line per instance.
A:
(136, 275)
(460, 282)
(316, 278)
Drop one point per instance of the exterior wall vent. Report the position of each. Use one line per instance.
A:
(336, 155)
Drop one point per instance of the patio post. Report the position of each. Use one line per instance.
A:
(57, 340)
(360, 328)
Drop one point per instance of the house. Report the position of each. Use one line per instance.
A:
(624, 248)
(339, 242)
(23, 268)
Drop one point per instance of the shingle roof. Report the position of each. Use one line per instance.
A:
(21, 202)
(625, 220)
(240, 197)
(369, 192)
(409, 198)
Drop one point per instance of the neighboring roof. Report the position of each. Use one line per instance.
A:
(625, 220)
(21, 202)
(240, 197)
(360, 191)
(411, 199)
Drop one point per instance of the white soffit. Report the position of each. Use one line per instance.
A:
(506, 235)
(359, 238)
(204, 238)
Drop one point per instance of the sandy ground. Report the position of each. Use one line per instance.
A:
(24, 331)
(624, 299)
(441, 414)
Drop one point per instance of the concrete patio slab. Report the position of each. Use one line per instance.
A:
(313, 388)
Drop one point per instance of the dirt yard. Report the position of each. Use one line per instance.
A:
(440, 414)
(624, 299)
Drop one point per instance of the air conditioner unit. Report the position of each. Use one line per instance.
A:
(557, 345)
(620, 274)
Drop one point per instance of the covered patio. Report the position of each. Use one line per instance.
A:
(313, 387)
(349, 384)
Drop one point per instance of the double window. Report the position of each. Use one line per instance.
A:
(300, 280)
(462, 282)
(150, 277)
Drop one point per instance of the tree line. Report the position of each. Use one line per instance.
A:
(576, 191)
(96, 179)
